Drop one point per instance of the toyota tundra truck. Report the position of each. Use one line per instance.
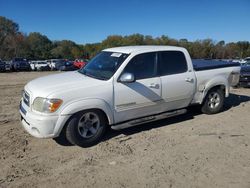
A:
(123, 87)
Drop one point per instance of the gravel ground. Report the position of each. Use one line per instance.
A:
(191, 150)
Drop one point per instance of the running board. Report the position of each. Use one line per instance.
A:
(148, 119)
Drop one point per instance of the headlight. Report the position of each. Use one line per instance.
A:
(46, 105)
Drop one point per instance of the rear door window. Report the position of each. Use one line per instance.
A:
(172, 62)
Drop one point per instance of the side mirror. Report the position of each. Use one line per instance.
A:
(127, 78)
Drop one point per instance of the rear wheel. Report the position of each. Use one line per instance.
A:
(86, 128)
(214, 101)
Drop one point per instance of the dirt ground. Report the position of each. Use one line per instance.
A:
(192, 150)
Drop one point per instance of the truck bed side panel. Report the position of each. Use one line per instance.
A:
(207, 79)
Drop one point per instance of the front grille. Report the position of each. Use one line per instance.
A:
(26, 98)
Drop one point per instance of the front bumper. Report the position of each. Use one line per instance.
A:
(41, 126)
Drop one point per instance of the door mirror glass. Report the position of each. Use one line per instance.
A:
(127, 78)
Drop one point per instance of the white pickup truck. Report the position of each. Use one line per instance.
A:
(123, 87)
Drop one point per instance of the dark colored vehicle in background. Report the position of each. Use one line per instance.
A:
(65, 66)
(20, 64)
(245, 75)
(2, 66)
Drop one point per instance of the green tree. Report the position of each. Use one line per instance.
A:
(242, 48)
(91, 50)
(231, 51)
(76, 52)
(135, 39)
(219, 50)
(39, 46)
(65, 49)
(9, 35)
(149, 40)
(112, 41)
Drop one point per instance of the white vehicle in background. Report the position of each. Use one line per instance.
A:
(42, 66)
(237, 60)
(246, 60)
(7, 66)
(32, 65)
(52, 63)
(123, 87)
(39, 65)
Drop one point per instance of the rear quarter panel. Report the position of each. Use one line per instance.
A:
(208, 79)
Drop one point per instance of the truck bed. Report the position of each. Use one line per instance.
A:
(201, 64)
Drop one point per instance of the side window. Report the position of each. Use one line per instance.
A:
(142, 66)
(172, 62)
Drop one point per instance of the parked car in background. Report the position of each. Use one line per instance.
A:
(7, 66)
(20, 64)
(2, 66)
(42, 66)
(236, 60)
(245, 75)
(79, 63)
(32, 65)
(246, 60)
(52, 63)
(65, 66)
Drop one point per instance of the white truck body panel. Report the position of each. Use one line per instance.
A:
(220, 76)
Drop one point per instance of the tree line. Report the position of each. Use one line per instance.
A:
(14, 43)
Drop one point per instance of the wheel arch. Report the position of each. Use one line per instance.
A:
(83, 105)
(89, 104)
(221, 86)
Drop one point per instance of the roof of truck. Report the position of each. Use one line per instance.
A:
(143, 48)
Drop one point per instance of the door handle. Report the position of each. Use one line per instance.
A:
(154, 85)
(189, 80)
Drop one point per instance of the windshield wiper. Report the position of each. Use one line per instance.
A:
(84, 72)
(96, 77)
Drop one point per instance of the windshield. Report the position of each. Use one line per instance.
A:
(104, 65)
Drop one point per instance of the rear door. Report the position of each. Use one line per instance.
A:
(142, 97)
(178, 82)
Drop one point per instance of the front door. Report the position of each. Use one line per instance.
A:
(142, 97)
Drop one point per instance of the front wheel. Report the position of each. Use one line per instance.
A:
(86, 128)
(214, 101)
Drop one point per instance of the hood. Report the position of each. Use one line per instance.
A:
(47, 85)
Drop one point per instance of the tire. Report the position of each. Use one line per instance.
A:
(213, 102)
(86, 128)
(61, 139)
